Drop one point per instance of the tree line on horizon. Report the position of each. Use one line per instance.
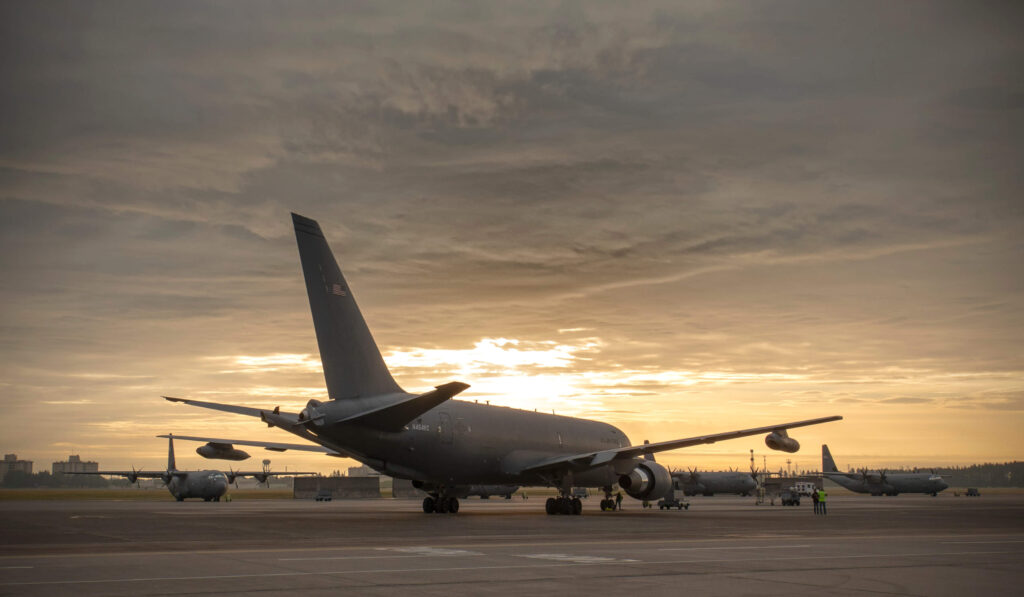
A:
(45, 480)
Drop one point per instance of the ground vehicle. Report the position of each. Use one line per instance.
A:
(790, 497)
(676, 500)
(324, 495)
(805, 488)
(972, 492)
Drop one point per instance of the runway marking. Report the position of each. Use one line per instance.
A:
(432, 551)
(472, 568)
(977, 542)
(16, 567)
(346, 558)
(604, 542)
(736, 547)
(576, 559)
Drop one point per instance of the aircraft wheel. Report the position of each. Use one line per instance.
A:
(577, 506)
(550, 506)
(453, 505)
(441, 506)
(428, 504)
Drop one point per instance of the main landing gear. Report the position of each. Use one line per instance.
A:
(564, 505)
(608, 503)
(440, 504)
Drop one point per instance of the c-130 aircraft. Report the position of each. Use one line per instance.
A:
(210, 485)
(443, 445)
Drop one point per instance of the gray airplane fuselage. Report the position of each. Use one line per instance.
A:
(447, 446)
(893, 483)
(466, 443)
(208, 485)
(710, 483)
(880, 483)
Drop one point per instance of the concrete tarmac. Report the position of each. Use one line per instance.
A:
(905, 545)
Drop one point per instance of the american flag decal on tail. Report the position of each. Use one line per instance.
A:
(338, 290)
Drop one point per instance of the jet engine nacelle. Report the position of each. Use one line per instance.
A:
(780, 440)
(648, 479)
(217, 451)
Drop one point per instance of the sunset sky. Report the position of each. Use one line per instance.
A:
(678, 218)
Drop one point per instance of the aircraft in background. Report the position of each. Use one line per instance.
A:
(210, 485)
(709, 483)
(881, 482)
(445, 446)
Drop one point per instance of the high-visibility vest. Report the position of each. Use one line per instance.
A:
(821, 495)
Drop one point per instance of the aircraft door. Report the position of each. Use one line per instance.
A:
(445, 428)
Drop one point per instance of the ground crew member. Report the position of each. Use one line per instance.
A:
(814, 498)
(821, 501)
(618, 501)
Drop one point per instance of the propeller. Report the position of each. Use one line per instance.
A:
(232, 477)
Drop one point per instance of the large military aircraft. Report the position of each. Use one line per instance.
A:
(881, 482)
(209, 485)
(446, 445)
(693, 482)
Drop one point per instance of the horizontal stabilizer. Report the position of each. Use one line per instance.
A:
(394, 417)
(228, 408)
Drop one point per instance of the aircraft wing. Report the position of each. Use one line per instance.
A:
(272, 445)
(267, 474)
(137, 474)
(590, 460)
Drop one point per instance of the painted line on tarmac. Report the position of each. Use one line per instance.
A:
(16, 567)
(412, 552)
(977, 542)
(736, 547)
(474, 568)
(601, 542)
(346, 558)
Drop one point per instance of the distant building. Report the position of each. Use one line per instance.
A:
(75, 465)
(362, 471)
(11, 463)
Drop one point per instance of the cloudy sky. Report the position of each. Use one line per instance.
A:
(679, 218)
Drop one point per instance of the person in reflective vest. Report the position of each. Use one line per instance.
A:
(821, 501)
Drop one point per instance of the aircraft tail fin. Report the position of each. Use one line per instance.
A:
(170, 453)
(827, 464)
(353, 366)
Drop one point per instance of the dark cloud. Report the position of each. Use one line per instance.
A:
(827, 194)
